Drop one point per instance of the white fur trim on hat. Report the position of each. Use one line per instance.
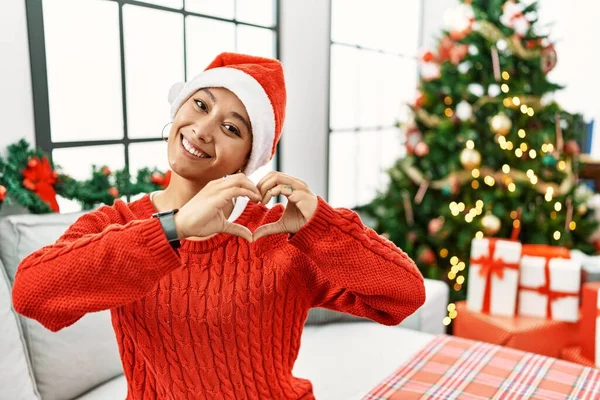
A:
(250, 93)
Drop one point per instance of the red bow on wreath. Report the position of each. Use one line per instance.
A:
(161, 180)
(40, 178)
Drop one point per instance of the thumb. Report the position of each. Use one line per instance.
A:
(238, 230)
(268, 229)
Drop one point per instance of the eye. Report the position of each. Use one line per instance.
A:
(201, 105)
(233, 130)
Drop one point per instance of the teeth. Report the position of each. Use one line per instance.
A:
(190, 149)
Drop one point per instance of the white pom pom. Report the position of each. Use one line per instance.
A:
(175, 90)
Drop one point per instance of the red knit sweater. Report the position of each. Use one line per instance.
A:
(223, 318)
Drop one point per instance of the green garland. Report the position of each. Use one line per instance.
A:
(103, 187)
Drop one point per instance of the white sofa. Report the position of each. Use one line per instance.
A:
(344, 359)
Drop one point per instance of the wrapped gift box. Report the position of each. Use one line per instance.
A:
(590, 322)
(549, 283)
(523, 333)
(493, 276)
(574, 355)
(590, 266)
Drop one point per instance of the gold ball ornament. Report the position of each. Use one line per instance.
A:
(582, 209)
(490, 224)
(500, 124)
(470, 159)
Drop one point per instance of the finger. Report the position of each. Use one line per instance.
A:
(286, 190)
(266, 178)
(236, 191)
(240, 180)
(274, 181)
(268, 229)
(238, 230)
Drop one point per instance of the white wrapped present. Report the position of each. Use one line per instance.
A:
(550, 283)
(493, 276)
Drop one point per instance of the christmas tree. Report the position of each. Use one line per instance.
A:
(489, 151)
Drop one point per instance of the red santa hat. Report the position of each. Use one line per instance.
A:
(259, 84)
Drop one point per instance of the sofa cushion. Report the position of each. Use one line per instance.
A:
(346, 361)
(16, 377)
(77, 358)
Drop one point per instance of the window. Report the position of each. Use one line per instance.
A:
(373, 75)
(102, 70)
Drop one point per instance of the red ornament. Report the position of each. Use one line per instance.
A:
(435, 226)
(114, 192)
(421, 149)
(106, 170)
(413, 138)
(449, 50)
(2, 193)
(428, 56)
(597, 245)
(548, 59)
(572, 148)
(411, 237)
(40, 178)
(161, 180)
(427, 257)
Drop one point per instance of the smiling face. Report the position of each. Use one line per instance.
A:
(210, 137)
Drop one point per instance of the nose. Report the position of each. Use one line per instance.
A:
(203, 130)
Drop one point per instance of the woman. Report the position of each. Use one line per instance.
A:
(209, 301)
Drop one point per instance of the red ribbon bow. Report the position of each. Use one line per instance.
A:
(490, 266)
(40, 178)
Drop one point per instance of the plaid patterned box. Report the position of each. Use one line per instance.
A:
(522, 333)
(455, 368)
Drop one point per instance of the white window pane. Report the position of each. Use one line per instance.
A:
(220, 8)
(346, 19)
(392, 147)
(369, 173)
(77, 161)
(68, 206)
(166, 3)
(343, 103)
(256, 41)
(371, 82)
(147, 155)
(399, 88)
(84, 69)
(153, 62)
(258, 12)
(343, 159)
(390, 25)
(205, 39)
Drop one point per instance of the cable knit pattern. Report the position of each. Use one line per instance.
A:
(221, 318)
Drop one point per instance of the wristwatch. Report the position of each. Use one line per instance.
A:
(167, 221)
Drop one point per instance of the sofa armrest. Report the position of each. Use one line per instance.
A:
(428, 318)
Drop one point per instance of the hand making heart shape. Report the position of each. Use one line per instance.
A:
(203, 216)
(301, 206)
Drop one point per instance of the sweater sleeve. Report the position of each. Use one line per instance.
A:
(348, 267)
(104, 260)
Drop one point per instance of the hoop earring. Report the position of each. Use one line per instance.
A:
(162, 133)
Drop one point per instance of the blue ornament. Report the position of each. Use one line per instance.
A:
(549, 160)
(446, 190)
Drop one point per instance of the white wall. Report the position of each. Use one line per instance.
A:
(305, 55)
(16, 101)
